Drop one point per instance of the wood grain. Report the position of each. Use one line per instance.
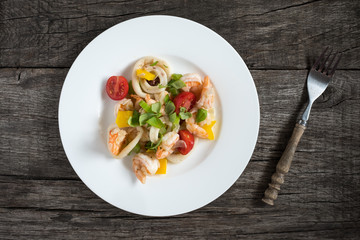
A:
(41, 197)
(275, 35)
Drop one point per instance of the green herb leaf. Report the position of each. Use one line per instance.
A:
(136, 149)
(169, 107)
(161, 86)
(175, 119)
(172, 117)
(176, 76)
(166, 99)
(148, 145)
(185, 115)
(201, 115)
(162, 130)
(155, 122)
(151, 146)
(145, 106)
(134, 119)
(144, 117)
(173, 91)
(165, 66)
(155, 107)
(170, 82)
(154, 63)
(178, 84)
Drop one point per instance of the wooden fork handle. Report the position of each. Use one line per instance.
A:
(283, 165)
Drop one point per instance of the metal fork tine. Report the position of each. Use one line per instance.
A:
(323, 64)
(319, 59)
(335, 65)
(329, 65)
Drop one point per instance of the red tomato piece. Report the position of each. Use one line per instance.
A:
(184, 99)
(188, 138)
(117, 87)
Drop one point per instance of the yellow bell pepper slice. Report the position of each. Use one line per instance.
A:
(122, 118)
(145, 74)
(208, 129)
(162, 168)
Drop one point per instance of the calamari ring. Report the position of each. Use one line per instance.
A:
(147, 62)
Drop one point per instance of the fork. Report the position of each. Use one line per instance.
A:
(318, 79)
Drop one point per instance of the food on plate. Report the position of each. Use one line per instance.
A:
(117, 87)
(161, 118)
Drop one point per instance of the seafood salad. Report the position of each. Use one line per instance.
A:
(159, 115)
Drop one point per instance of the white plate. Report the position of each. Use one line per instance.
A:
(85, 111)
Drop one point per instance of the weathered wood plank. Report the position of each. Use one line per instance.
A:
(275, 35)
(33, 204)
(30, 139)
(60, 225)
(41, 193)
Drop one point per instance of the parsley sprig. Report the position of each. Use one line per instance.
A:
(151, 116)
(174, 84)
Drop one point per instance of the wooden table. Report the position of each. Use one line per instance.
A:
(43, 198)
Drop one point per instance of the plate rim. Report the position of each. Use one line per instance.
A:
(257, 112)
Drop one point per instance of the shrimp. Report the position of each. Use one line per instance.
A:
(124, 105)
(193, 127)
(144, 165)
(165, 148)
(116, 138)
(149, 100)
(191, 80)
(207, 96)
(137, 101)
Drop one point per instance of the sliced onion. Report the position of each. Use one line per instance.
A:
(137, 88)
(154, 134)
(179, 144)
(132, 144)
(177, 157)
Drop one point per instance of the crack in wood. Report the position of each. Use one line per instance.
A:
(37, 178)
(274, 10)
(288, 7)
(52, 209)
(301, 231)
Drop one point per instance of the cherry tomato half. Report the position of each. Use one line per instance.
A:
(184, 99)
(188, 138)
(117, 87)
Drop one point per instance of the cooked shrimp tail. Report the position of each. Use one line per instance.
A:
(116, 138)
(207, 96)
(165, 148)
(193, 127)
(144, 165)
(191, 80)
